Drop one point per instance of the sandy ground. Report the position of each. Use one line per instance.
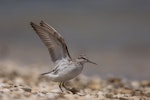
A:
(26, 84)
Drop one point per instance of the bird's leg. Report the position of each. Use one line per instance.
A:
(60, 86)
(73, 90)
(63, 84)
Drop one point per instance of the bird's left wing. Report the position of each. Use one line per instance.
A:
(52, 40)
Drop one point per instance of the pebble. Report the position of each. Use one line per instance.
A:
(145, 83)
(5, 90)
(27, 94)
(15, 85)
(135, 84)
(52, 95)
(109, 95)
(101, 94)
(35, 91)
(27, 89)
(95, 84)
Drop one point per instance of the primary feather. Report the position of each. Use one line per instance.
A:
(52, 40)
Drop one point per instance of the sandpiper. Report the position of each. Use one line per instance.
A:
(65, 68)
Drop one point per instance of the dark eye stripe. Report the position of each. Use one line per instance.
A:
(83, 58)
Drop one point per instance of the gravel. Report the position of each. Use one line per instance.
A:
(26, 84)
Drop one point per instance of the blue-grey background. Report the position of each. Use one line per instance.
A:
(113, 33)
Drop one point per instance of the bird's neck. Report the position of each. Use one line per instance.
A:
(81, 63)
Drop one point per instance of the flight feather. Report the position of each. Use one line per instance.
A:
(52, 40)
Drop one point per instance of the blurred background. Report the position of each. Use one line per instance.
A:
(113, 33)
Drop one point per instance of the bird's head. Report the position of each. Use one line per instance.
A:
(83, 59)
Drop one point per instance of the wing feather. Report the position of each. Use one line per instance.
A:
(52, 40)
(59, 37)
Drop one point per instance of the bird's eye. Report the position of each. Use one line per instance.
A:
(84, 58)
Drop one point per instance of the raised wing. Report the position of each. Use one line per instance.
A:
(52, 40)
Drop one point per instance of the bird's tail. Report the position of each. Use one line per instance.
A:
(50, 75)
(46, 73)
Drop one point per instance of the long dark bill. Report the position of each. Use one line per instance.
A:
(92, 62)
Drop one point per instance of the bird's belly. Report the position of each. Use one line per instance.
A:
(73, 73)
(69, 73)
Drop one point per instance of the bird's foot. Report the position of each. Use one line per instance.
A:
(73, 90)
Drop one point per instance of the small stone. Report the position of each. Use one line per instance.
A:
(135, 84)
(123, 91)
(88, 96)
(16, 94)
(44, 92)
(6, 90)
(7, 81)
(137, 93)
(114, 80)
(100, 94)
(81, 94)
(35, 90)
(52, 95)
(109, 95)
(27, 94)
(41, 94)
(2, 85)
(19, 80)
(27, 89)
(95, 84)
(147, 94)
(55, 90)
(121, 96)
(145, 83)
